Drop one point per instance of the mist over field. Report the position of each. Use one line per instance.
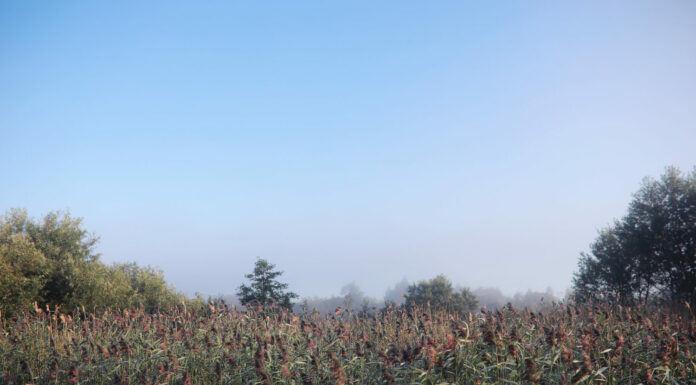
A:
(351, 297)
(352, 145)
(359, 192)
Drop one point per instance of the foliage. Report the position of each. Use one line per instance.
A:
(147, 286)
(568, 344)
(650, 253)
(439, 294)
(22, 269)
(264, 289)
(53, 262)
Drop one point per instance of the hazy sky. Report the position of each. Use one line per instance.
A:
(344, 141)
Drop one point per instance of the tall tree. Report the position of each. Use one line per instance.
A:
(650, 254)
(439, 293)
(264, 289)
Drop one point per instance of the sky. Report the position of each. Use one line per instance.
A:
(360, 142)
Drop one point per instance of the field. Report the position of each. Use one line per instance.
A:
(564, 345)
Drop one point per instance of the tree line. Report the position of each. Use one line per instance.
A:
(649, 256)
(265, 290)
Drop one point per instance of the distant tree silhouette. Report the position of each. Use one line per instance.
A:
(438, 292)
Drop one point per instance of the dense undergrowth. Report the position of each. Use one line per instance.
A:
(564, 345)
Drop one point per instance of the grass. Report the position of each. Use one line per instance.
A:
(564, 345)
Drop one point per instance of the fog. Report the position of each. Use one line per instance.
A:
(346, 142)
(353, 298)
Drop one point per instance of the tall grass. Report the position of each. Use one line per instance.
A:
(565, 345)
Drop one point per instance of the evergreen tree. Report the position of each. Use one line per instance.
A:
(264, 289)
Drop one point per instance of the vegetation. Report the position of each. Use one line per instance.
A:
(651, 253)
(438, 294)
(566, 345)
(264, 290)
(121, 324)
(52, 262)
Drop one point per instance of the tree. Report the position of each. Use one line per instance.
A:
(52, 262)
(264, 289)
(22, 272)
(438, 292)
(146, 286)
(650, 254)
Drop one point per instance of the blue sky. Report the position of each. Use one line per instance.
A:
(355, 141)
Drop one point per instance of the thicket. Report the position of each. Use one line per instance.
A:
(52, 262)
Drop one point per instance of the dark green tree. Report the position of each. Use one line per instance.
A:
(264, 289)
(439, 293)
(650, 254)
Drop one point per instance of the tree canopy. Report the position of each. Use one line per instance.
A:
(264, 289)
(52, 262)
(439, 293)
(650, 254)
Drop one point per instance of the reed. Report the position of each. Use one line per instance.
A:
(567, 344)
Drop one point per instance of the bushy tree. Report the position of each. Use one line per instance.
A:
(264, 289)
(52, 262)
(439, 293)
(147, 286)
(22, 271)
(650, 254)
(58, 246)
